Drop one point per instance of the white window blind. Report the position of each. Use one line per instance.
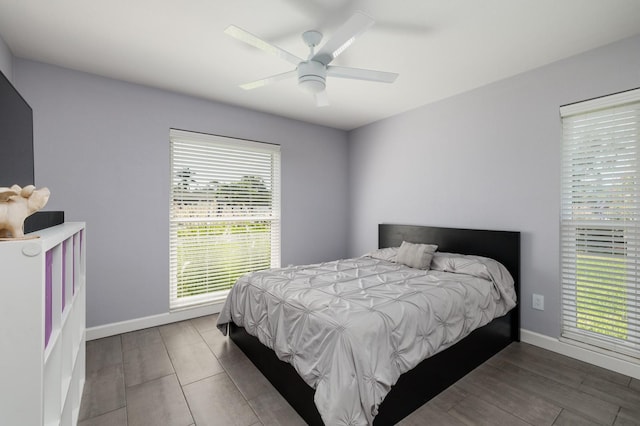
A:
(600, 222)
(224, 214)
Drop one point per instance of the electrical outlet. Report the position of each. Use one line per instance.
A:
(538, 302)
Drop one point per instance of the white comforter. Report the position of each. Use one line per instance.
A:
(352, 327)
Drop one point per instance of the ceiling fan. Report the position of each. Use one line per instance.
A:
(313, 72)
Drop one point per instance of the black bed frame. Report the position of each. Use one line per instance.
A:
(434, 374)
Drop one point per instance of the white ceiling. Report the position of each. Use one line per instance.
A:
(439, 47)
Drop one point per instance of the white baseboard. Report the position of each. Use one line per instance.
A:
(623, 365)
(151, 321)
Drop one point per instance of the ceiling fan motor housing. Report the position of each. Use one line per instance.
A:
(311, 76)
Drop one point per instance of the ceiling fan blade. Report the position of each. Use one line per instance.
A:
(322, 99)
(343, 37)
(361, 74)
(252, 40)
(268, 80)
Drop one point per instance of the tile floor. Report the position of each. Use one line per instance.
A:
(187, 373)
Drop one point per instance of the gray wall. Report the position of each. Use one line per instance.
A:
(489, 158)
(6, 60)
(102, 147)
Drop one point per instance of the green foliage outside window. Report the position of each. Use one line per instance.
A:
(602, 276)
(223, 231)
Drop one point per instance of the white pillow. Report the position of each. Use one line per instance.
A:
(461, 264)
(480, 267)
(388, 254)
(416, 255)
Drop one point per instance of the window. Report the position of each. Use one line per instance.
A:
(600, 222)
(224, 214)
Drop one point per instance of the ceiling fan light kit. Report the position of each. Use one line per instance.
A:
(311, 76)
(312, 73)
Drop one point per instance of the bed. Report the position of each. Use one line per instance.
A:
(411, 389)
